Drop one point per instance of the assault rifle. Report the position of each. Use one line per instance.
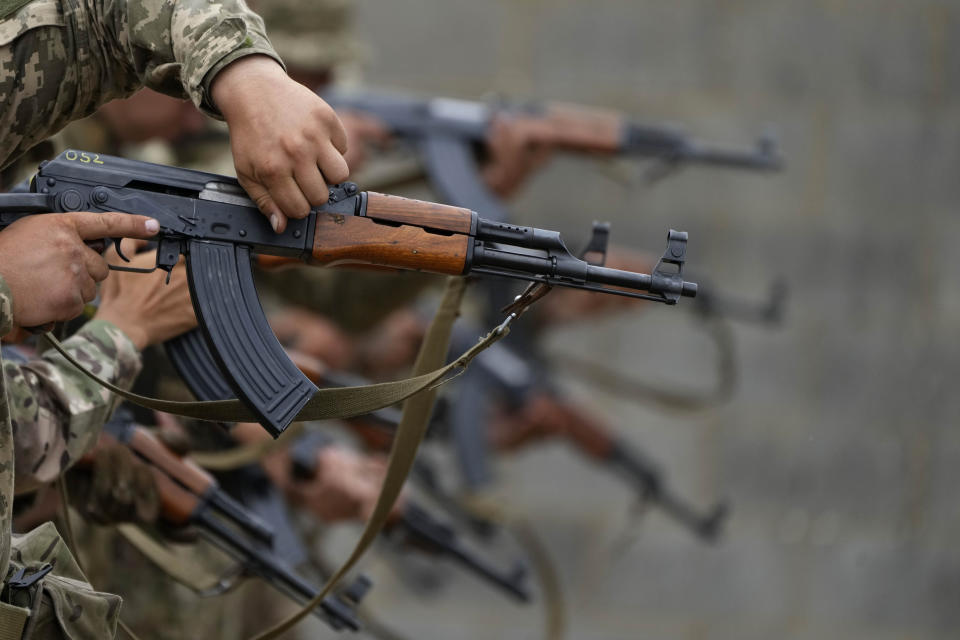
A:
(191, 496)
(496, 372)
(499, 372)
(209, 219)
(193, 361)
(419, 528)
(446, 132)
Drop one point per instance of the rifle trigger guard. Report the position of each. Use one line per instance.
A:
(116, 245)
(117, 267)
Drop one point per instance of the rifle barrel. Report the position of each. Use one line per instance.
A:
(443, 540)
(263, 563)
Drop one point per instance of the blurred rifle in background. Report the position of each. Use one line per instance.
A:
(416, 524)
(190, 496)
(447, 135)
(447, 132)
(420, 529)
(500, 373)
(516, 381)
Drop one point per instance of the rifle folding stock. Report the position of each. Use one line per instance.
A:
(209, 219)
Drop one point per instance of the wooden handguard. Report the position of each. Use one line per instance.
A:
(582, 129)
(392, 233)
(418, 213)
(176, 503)
(343, 240)
(160, 456)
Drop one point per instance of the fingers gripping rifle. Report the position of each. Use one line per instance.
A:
(447, 131)
(210, 220)
(421, 529)
(190, 495)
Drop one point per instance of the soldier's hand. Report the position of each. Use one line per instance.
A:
(541, 418)
(345, 488)
(287, 143)
(392, 345)
(516, 147)
(49, 269)
(142, 305)
(313, 335)
(114, 487)
(364, 132)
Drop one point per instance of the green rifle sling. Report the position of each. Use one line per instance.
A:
(413, 425)
(327, 404)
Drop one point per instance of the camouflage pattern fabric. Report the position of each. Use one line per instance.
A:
(89, 134)
(157, 607)
(62, 604)
(312, 35)
(61, 59)
(6, 438)
(56, 412)
(49, 415)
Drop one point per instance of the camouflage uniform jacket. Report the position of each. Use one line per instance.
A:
(50, 413)
(61, 59)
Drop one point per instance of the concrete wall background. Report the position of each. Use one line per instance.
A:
(840, 451)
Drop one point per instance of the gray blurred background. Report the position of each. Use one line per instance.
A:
(839, 450)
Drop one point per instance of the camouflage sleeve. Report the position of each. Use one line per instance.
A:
(6, 308)
(61, 59)
(56, 411)
(189, 40)
(6, 450)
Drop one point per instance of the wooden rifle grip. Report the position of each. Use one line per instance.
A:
(160, 456)
(344, 240)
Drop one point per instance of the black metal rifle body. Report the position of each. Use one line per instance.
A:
(190, 496)
(210, 220)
